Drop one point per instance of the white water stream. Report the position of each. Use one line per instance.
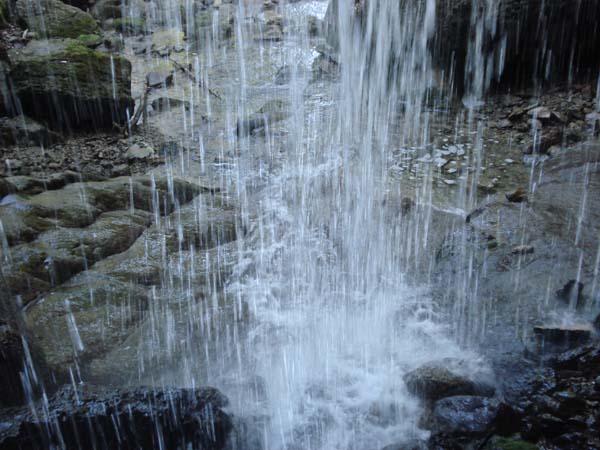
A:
(326, 321)
(322, 315)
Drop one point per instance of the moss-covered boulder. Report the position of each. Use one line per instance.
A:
(70, 86)
(55, 19)
(509, 443)
(84, 318)
(90, 40)
(113, 9)
(4, 13)
(130, 25)
(107, 9)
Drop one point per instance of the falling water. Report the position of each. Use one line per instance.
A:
(309, 319)
(333, 324)
(326, 319)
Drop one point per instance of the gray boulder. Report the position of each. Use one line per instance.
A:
(85, 318)
(55, 19)
(271, 112)
(22, 130)
(445, 378)
(107, 9)
(464, 415)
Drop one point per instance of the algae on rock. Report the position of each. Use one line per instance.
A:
(130, 25)
(71, 87)
(55, 19)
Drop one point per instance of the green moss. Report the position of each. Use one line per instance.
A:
(132, 25)
(75, 26)
(167, 38)
(4, 19)
(77, 49)
(204, 19)
(69, 65)
(90, 40)
(508, 443)
(55, 19)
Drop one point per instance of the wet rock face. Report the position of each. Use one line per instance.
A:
(271, 112)
(162, 79)
(107, 9)
(59, 254)
(94, 417)
(445, 378)
(55, 19)
(21, 129)
(526, 33)
(572, 293)
(509, 443)
(556, 407)
(85, 318)
(562, 407)
(24, 219)
(12, 358)
(22, 364)
(521, 40)
(465, 415)
(553, 339)
(511, 286)
(84, 256)
(407, 445)
(71, 87)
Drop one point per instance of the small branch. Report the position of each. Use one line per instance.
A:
(192, 77)
(145, 107)
(132, 125)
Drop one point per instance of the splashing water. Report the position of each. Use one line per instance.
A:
(322, 314)
(332, 323)
(319, 320)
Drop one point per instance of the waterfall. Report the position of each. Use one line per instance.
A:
(333, 320)
(284, 201)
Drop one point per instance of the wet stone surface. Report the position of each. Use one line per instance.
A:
(95, 417)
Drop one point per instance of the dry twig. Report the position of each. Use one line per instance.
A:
(192, 77)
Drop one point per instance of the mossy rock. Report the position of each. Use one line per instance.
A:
(25, 218)
(225, 21)
(107, 9)
(85, 318)
(130, 25)
(55, 19)
(204, 19)
(23, 130)
(113, 41)
(509, 443)
(90, 40)
(4, 14)
(70, 86)
(167, 38)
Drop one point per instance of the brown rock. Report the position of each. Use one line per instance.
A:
(518, 196)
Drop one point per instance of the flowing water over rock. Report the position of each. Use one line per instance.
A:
(327, 320)
(299, 213)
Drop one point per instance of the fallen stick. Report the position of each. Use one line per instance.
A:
(193, 78)
(132, 125)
